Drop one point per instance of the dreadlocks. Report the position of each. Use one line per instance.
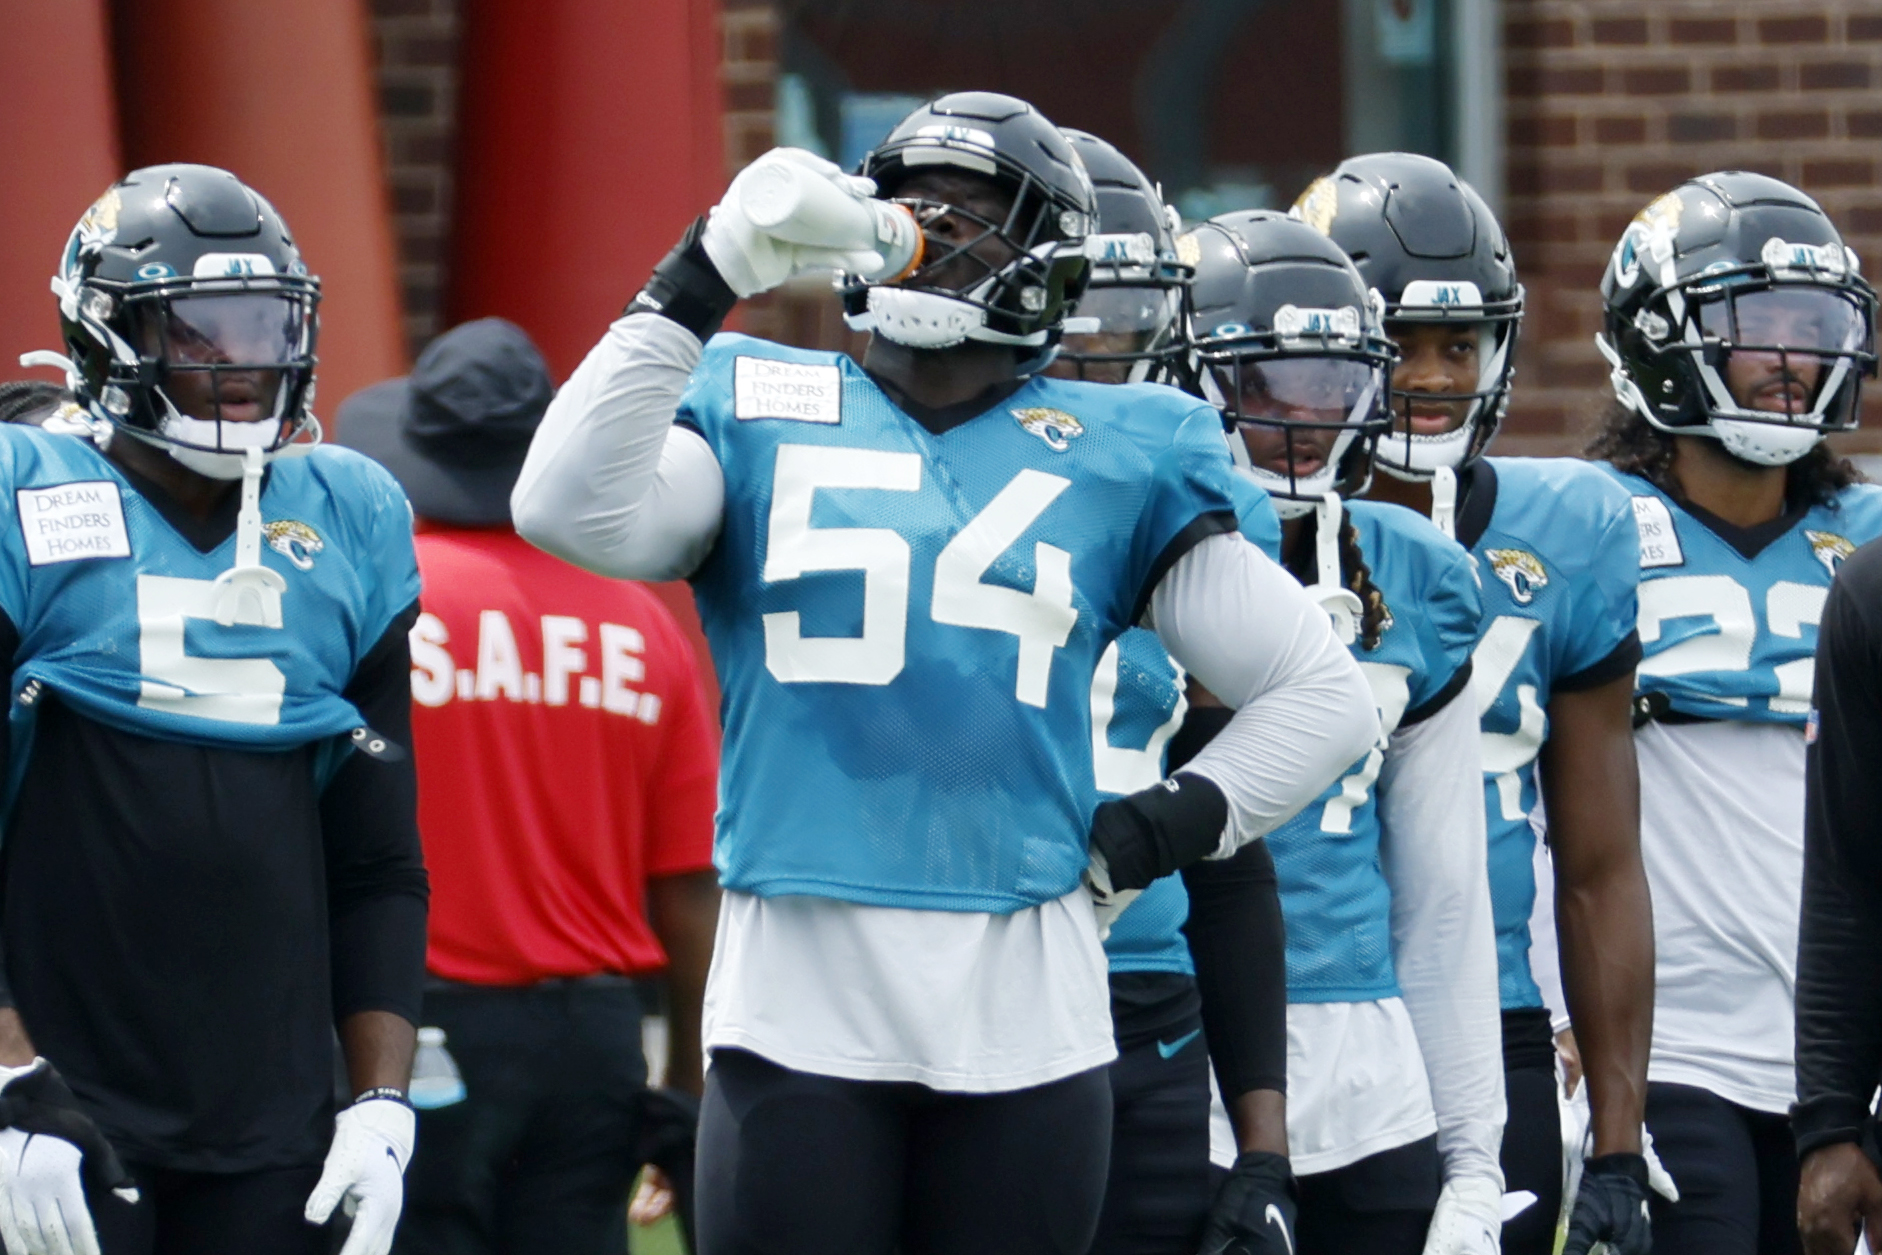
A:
(1353, 570)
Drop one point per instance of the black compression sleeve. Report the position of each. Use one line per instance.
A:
(1239, 943)
(1839, 950)
(376, 887)
(9, 646)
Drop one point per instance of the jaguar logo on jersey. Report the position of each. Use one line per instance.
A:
(1519, 569)
(1055, 427)
(295, 541)
(1830, 549)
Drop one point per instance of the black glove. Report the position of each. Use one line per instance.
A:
(40, 1102)
(1155, 831)
(1611, 1207)
(1254, 1210)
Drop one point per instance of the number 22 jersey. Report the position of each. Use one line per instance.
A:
(1728, 620)
(906, 622)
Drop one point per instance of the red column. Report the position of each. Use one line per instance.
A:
(59, 149)
(281, 93)
(589, 136)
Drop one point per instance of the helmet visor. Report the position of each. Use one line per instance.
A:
(1127, 309)
(229, 357)
(1318, 391)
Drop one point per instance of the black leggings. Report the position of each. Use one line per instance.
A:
(792, 1163)
(1161, 1183)
(1380, 1205)
(212, 1213)
(1736, 1170)
(1532, 1133)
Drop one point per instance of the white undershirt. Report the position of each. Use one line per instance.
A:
(958, 1000)
(1721, 833)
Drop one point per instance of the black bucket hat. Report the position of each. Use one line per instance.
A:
(455, 431)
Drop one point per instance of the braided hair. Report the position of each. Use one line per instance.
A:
(1633, 445)
(30, 401)
(1353, 569)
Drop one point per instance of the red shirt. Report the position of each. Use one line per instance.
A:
(565, 755)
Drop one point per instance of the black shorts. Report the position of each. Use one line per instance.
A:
(1160, 1184)
(1736, 1170)
(1532, 1133)
(1380, 1205)
(212, 1213)
(792, 1163)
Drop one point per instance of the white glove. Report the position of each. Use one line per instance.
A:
(1107, 903)
(1469, 1218)
(1659, 1180)
(372, 1143)
(816, 216)
(42, 1196)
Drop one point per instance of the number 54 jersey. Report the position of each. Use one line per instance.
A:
(1558, 555)
(117, 610)
(906, 622)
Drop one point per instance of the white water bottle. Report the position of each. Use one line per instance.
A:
(800, 206)
(435, 1079)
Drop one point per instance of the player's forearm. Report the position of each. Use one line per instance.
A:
(586, 488)
(1303, 711)
(1238, 942)
(16, 1048)
(1259, 1118)
(1443, 939)
(684, 911)
(378, 1046)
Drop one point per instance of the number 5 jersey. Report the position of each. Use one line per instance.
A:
(1728, 621)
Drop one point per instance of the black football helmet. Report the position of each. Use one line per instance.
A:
(1126, 327)
(1736, 283)
(1024, 301)
(1431, 247)
(181, 289)
(1283, 334)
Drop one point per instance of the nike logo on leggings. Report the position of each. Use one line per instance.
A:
(1170, 1049)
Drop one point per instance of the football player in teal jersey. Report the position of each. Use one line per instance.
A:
(908, 568)
(1739, 330)
(1554, 670)
(1198, 975)
(211, 856)
(1395, 1108)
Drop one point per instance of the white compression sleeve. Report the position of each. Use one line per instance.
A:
(1303, 711)
(1430, 794)
(610, 484)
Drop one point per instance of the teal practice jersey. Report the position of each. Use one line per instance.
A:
(906, 623)
(1730, 632)
(1137, 702)
(1334, 894)
(1554, 540)
(117, 611)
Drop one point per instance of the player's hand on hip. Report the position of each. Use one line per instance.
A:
(1611, 1207)
(791, 211)
(1839, 1191)
(48, 1149)
(1468, 1219)
(1255, 1208)
(372, 1144)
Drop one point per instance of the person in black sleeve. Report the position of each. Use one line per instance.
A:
(1839, 949)
(211, 855)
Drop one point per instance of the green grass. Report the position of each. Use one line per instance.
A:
(661, 1239)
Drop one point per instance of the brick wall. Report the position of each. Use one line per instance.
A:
(417, 47)
(1612, 102)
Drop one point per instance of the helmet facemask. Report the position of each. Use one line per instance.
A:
(1322, 396)
(206, 368)
(1125, 328)
(1767, 365)
(1404, 452)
